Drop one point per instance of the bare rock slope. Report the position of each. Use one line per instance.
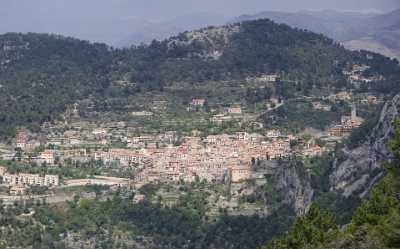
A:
(362, 167)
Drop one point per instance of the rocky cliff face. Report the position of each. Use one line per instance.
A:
(277, 185)
(362, 167)
(287, 184)
(294, 185)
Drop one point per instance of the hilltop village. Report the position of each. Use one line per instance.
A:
(130, 157)
(164, 157)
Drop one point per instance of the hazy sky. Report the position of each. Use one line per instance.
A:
(83, 17)
(169, 8)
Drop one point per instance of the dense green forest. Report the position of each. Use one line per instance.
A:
(178, 227)
(260, 46)
(40, 74)
(375, 223)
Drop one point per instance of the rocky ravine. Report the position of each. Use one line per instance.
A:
(362, 167)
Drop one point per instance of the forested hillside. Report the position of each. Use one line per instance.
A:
(237, 51)
(41, 74)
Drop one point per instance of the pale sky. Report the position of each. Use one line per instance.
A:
(85, 18)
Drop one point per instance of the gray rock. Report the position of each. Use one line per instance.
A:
(292, 183)
(362, 167)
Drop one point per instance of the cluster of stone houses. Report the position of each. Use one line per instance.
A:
(347, 124)
(47, 156)
(214, 158)
(24, 179)
(155, 158)
(341, 96)
(265, 78)
(152, 141)
(158, 158)
(233, 113)
(321, 106)
(82, 133)
(314, 150)
(357, 75)
(348, 97)
(196, 105)
(25, 141)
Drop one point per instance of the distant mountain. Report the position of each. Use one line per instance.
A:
(373, 45)
(370, 31)
(388, 21)
(120, 28)
(149, 31)
(334, 24)
(379, 34)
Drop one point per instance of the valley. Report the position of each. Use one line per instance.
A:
(222, 137)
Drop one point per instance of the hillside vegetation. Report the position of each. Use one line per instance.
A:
(42, 74)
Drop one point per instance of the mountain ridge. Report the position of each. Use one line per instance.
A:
(346, 27)
(36, 63)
